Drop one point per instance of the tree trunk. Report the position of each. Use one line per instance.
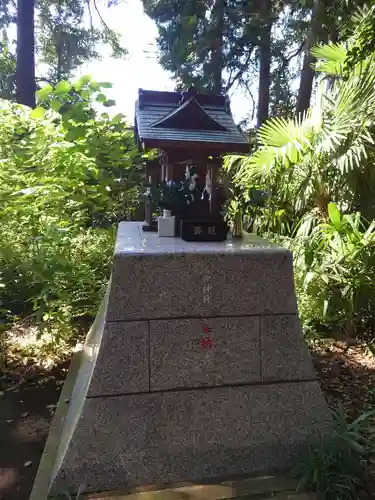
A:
(59, 62)
(264, 63)
(25, 67)
(307, 73)
(217, 53)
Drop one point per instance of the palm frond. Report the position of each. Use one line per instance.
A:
(256, 166)
(330, 58)
(320, 157)
(283, 140)
(231, 162)
(349, 111)
(279, 131)
(352, 156)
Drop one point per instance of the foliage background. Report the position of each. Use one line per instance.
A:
(318, 170)
(68, 175)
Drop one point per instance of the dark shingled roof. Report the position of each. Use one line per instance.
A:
(171, 119)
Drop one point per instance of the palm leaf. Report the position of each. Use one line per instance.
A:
(330, 58)
(349, 111)
(279, 131)
(320, 156)
(231, 162)
(256, 166)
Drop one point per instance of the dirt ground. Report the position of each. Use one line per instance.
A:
(28, 396)
(27, 403)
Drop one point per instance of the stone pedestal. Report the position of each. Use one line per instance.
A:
(195, 368)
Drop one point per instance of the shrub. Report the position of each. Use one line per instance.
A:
(334, 270)
(336, 466)
(68, 175)
(57, 273)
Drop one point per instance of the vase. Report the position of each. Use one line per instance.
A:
(166, 224)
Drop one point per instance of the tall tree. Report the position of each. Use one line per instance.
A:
(330, 22)
(6, 14)
(217, 49)
(65, 41)
(60, 38)
(7, 70)
(243, 29)
(203, 42)
(307, 72)
(288, 36)
(25, 66)
(264, 62)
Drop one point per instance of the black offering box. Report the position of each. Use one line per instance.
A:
(204, 230)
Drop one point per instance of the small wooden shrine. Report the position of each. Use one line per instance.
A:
(191, 131)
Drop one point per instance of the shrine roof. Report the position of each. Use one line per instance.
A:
(171, 119)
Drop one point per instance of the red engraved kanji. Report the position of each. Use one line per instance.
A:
(206, 342)
(205, 329)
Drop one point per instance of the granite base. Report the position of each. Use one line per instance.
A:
(190, 435)
(194, 368)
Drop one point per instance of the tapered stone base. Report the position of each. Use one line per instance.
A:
(188, 435)
(195, 368)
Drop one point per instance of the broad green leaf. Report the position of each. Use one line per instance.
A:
(94, 86)
(334, 214)
(86, 94)
(333, 52)
(118, 119)
(84, 80)
(106, 85)
(364, 416)
(76, 133)
(231, 162)
(101, 98)
(56, 104)
(44, 92)
(109, 103)
(38, 113)
(63, 87)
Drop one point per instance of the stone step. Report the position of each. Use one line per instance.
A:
(250, 488)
